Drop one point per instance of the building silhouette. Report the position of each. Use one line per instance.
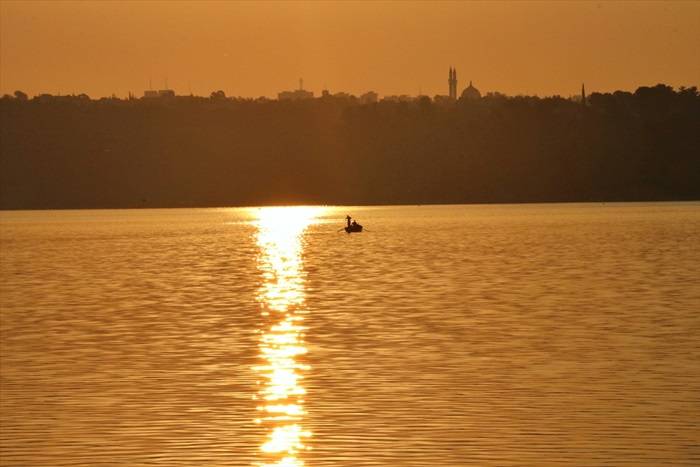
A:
(470, 92)
(452, 81)
(296, 94)
(160, 93)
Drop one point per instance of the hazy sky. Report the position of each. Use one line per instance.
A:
(254, 49)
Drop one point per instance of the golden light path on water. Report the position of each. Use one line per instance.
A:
(281, 390)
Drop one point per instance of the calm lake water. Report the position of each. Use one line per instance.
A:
(442, 336)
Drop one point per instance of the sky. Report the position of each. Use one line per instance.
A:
(260, 48)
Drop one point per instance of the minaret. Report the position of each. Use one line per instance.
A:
(583, 94)
(449, 83)
(453, 83)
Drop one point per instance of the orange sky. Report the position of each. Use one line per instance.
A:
(254, 49)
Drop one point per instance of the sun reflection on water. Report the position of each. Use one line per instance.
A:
(281, 373)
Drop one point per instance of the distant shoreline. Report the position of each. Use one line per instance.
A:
(74, 153)
(659, 202)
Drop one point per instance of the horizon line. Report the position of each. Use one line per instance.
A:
(131, 95)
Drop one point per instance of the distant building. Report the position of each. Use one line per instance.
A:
(580, 98)
(452, 83)
(160, 93)
(471, 92)
(298, 94)
(295, 95)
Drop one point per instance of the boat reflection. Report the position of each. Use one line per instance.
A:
(281, 393)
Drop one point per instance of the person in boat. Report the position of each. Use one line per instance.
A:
(354, 224)
(348, 218)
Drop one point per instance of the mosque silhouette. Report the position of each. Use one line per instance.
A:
(469, 92)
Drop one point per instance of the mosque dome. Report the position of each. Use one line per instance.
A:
(471, 92)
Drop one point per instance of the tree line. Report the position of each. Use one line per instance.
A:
(76, 152)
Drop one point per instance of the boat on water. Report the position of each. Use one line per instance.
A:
(352, 226)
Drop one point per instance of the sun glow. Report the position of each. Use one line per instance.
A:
(282, 300)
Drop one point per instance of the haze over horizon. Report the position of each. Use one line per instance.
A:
(258, 49)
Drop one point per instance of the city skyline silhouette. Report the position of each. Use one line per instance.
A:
(253, 50)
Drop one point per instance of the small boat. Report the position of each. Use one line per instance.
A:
(352, 226)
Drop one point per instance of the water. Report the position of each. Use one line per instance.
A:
(442, 336)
